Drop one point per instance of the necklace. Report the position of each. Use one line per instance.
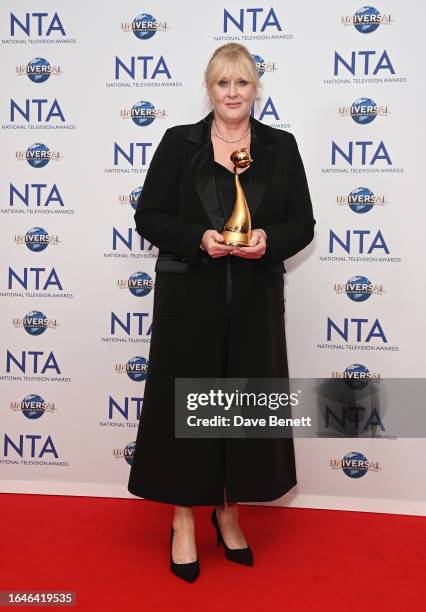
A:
(225, 139)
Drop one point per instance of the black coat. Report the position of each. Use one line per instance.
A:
(177, 205)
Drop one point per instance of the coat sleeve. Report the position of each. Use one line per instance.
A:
(155, 215)
(296, 231)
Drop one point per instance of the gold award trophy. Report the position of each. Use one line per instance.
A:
(237, 230)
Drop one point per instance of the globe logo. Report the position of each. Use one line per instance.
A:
(359, 200)
(358, 288)
(355, 465)
(33, 406)
(143, 113)
(38, 155)
(38, 70)
(134, 197)
(35, 322)
(356, 376)
(129, 451)
(144, 26)
(364, 111)
(36, 239)
(137, 368)
(140, 284)
(367, 19)
(260, 64)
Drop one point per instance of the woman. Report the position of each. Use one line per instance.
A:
(218, 310)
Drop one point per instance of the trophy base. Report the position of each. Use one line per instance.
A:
(236, 238)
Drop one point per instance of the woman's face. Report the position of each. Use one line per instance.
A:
(232, 98)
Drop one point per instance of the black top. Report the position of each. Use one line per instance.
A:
(225, 187)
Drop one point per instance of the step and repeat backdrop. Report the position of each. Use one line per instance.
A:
(88, 91)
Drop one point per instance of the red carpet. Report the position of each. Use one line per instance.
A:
(114, 554)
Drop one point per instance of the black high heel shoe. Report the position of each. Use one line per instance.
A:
(187, 571)
(239, 555)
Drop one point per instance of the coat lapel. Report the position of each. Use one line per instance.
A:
(202, 163)
(203, 171)
(258, 179)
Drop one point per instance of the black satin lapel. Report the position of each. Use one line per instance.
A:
(204, 179)
(258, 179)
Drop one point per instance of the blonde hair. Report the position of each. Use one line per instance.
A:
(231, 59)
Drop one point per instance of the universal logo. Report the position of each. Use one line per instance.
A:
(139, 284)
(361, 200)
(33, 406)
(144, 26)
(367, 19)
(35, 322)
(363, 111)
(263, 66)
(131, 198)
(358, 288)
(143, 113)
(37, 239)
(136, 368)
(356, 375)
(38, 70)
(355, 465)
(125, 453)
(38, 155)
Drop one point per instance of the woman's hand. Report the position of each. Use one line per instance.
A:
(212, 242)
(256, 248)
